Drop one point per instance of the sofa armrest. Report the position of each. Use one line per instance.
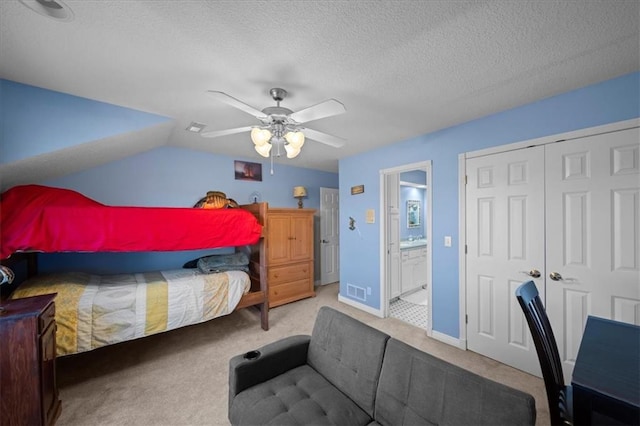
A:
(249, 369)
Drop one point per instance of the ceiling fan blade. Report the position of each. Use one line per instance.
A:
(230, 100)
(216, 133)
(324, 138)
(323, 109)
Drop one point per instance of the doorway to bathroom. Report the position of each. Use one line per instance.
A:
(405, 237)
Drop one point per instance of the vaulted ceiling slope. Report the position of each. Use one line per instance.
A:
(401, 68)
(47, 134)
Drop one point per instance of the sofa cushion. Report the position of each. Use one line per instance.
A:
(300, 396)
(349, 354)
(417, 388)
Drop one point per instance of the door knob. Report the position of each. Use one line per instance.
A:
(534, 273)
(325, 241)
(555, 276)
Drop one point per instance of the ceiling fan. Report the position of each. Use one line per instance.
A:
(280, 126)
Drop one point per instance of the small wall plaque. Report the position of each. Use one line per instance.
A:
(358, 189)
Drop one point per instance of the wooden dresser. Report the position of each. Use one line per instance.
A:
(289, 242)
(28, 362)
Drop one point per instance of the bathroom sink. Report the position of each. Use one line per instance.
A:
(404, 244)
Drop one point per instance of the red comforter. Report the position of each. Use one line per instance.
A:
(46, 219)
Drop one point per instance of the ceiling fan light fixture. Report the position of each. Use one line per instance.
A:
(264, 149)
(260, 137)
(292, 152)
(295, 139)
(280, 127)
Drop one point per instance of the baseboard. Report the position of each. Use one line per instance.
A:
(360, 306)
(445, 338)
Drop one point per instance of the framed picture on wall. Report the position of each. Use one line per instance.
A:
(413, 214)
(245, 170)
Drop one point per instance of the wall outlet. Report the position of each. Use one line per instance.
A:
(447, 241)
(369, 291)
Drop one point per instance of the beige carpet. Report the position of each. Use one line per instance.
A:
(180, 377)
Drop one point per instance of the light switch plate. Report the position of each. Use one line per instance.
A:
(371, 216)
(447, 241)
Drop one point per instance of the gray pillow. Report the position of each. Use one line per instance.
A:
(224, 262)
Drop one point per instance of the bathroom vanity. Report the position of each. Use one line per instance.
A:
(413, 267)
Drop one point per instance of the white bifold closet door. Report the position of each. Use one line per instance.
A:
(568, 210)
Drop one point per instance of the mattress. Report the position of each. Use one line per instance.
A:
(93, 311)
(38, 218)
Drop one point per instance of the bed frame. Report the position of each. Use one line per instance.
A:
(258, 296)
(25, 265)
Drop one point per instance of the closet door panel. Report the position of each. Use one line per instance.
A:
(592, 234)
(505, 240)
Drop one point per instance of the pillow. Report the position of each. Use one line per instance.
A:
(222, 262)
(192, 264)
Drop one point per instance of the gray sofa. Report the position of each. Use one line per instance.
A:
(348, 373)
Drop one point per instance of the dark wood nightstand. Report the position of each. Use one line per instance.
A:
(28, 362)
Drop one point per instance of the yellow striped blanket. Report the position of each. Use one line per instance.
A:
(98, 310)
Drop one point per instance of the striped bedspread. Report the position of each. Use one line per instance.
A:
(98, 310)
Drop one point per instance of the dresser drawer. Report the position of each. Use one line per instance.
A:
(289, 292)
(46, 317)
(284, 274)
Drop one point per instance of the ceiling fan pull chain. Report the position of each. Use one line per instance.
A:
(271, 162)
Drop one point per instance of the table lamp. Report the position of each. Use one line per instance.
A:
(299, 192)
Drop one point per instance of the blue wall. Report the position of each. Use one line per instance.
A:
(37, 121)
(607, 102)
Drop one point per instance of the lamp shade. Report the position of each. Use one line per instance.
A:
(299, 191)
(292, 152)
(260, 136)
(263, 149)
(295, 139)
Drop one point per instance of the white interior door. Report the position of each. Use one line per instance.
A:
(329, 236)
(592, 235)
(505, 240)
(392, 185)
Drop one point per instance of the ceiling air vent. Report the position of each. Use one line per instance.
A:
(195, 127)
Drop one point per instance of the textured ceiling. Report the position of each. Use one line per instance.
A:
(401, 68)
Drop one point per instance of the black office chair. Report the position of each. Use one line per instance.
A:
(559, 396)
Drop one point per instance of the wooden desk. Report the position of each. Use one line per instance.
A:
(606, 377)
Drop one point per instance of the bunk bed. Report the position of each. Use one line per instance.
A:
(118, 307)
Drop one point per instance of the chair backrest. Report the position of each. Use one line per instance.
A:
(546, 348)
